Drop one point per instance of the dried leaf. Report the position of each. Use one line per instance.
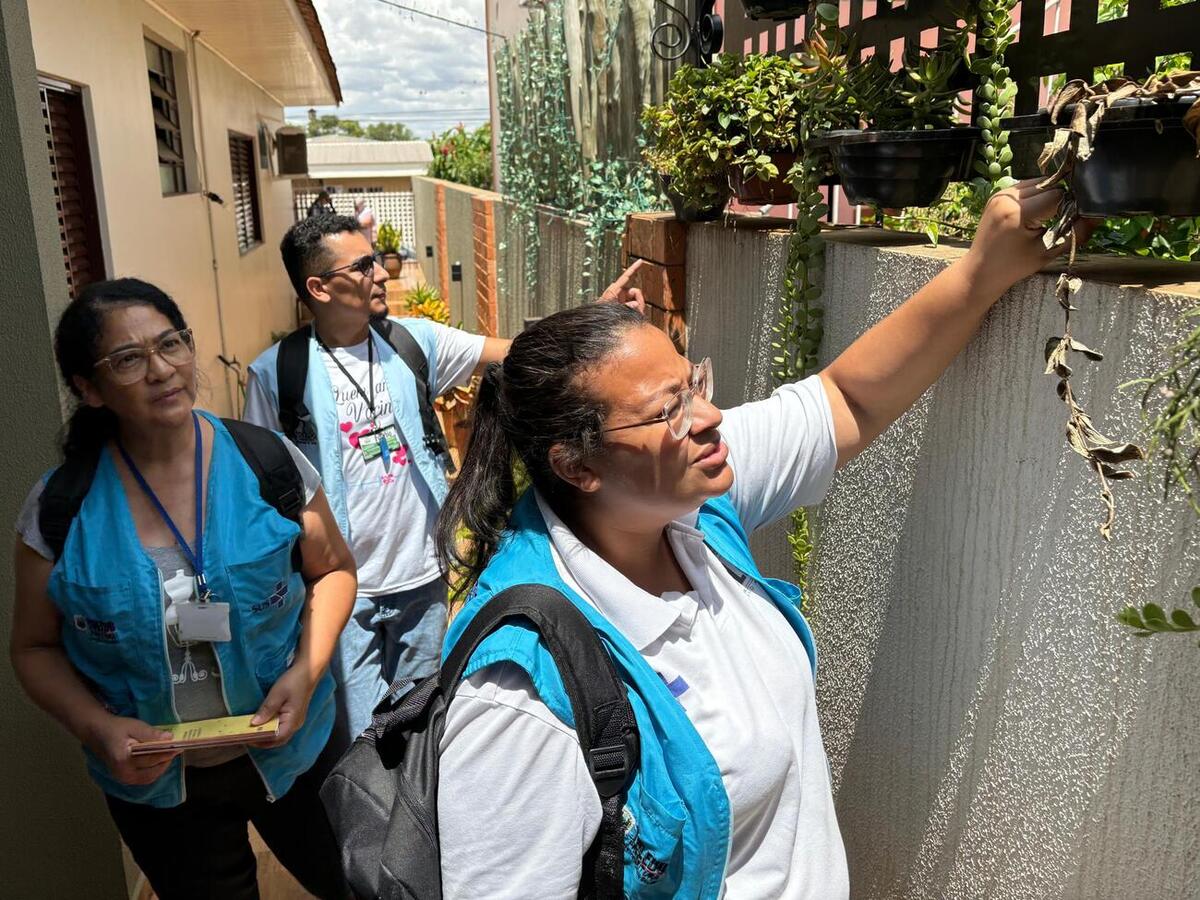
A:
(1116, 474)
(1118, 453)
(1079, 347)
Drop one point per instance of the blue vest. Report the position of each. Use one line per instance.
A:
(109, 592)
(677, 819)
(326, 453)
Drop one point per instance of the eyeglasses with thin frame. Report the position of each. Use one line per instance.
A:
(130, 365)
(364, 265)
(677, 412)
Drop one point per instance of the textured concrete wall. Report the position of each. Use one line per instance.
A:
(993, 733)
(460, 247)
(52, 813)
(425, 212)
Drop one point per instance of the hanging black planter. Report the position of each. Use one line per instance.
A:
(894, 169)
(1143, 160)
(774, 9)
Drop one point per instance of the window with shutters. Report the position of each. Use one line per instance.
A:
(74, 188)
(168, 127)
(246, 217)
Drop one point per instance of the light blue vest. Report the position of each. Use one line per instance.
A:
(326, 453)
(109, 593)
(677, 819)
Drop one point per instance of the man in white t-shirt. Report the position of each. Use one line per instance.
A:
(364, 432)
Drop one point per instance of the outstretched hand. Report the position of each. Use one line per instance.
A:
(1009, 244)
(620, 290)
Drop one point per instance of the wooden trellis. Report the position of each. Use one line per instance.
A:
(1051, 41)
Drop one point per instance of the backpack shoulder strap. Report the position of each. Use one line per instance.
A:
(291, 368)
(604, 718)
(410, 351)
(62, 498)
(279, 481)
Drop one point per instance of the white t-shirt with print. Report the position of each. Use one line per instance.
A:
(516, 806)
(392, 515)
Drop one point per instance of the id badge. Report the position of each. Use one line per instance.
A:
(391, 439)
(208, 621)
(369, 445)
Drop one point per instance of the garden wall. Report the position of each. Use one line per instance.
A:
(992, 731)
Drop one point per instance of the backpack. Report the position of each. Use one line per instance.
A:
(279, 484)
(291, 367)
(381, 798)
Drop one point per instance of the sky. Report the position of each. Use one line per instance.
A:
(395, 65)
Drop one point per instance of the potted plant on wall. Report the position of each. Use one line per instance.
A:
(387, 242)
(778, 10)
(1125, 148)
(683, 148)
(912, 147)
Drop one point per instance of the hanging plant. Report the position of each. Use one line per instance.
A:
(996, 94)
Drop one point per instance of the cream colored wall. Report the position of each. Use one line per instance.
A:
(401, 183)
(97, 44)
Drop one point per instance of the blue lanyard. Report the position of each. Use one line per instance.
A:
(197, 558)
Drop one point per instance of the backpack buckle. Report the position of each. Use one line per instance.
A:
(612, 765)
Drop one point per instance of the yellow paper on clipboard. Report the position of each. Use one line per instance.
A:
(209, 733)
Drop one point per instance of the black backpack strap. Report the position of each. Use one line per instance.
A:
(279, 481)
(291, 369)
(410, 351)
(62, 498)
(604, 718)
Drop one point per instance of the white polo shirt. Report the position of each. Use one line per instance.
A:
(516, 806)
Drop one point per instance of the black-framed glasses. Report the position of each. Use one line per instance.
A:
(130, 365)
(677, 412)
(364, 265)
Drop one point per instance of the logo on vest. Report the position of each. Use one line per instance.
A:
(647, 868)
(97, 629)
(275, 601)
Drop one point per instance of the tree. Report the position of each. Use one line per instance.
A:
(463, 156)
(390, 131)
(329, 123)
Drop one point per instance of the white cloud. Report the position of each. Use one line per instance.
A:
(399, 66)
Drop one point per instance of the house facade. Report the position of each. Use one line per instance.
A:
(161, 120)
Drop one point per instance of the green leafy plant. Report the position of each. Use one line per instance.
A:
(683, 143)
(996, 95)
(462, 156)
(1152, 619)
(387, 239)
(425, 302)
(922, 94)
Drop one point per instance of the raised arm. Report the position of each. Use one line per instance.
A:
(882, 374)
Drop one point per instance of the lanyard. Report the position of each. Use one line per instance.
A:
(195, 558)
(369, 400)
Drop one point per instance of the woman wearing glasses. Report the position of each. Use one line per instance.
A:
(171, 593)
(643, 498)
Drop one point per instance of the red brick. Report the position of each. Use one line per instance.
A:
(658, 237)
(443, 245)
(664, 286)
(673, 323)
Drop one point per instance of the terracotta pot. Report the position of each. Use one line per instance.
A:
(393, 263)
(774, 191)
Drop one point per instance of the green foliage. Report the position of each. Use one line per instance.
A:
(1152, 619)
(319, 126)
(425, 302)
(387, 239)
(1173, 238)
(918, 96)
(464, 157)
(684, 143)
(541, 161)
(996, 97)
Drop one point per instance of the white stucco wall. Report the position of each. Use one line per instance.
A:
(97, 44)
(992, 731)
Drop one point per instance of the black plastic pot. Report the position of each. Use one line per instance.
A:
(774, 9)
(773, 191)
(894, 169)
(1143, 160)
(687, 213)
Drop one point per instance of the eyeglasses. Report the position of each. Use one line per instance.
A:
(131, 365)
(677, 412)
(364, 266)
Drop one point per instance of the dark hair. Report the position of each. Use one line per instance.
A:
(533, 400)
(76, 348)
(303, 247)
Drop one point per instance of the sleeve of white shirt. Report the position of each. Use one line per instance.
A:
(260, 407)
(517, 809)
(782, 451)
(458, 354)
(27, 522)
(308, 472)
